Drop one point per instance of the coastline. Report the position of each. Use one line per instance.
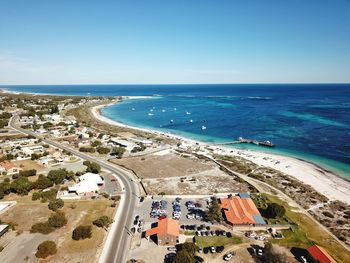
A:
(323, 181)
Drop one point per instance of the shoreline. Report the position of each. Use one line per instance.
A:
(322, 180)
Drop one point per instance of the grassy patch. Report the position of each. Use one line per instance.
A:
(308, 233)
(217, 241)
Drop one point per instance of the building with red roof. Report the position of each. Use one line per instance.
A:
(165, 232)
(320, 255)
(9, 167)
(241, 210)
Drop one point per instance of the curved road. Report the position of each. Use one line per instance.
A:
(118, 238)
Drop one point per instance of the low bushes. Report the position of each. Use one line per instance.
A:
(45, 249)
(82, 232)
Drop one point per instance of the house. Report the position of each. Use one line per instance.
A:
(29, 150)
(165, 232)
(241, 210)
(320, 255)
(123, 143)
(9, 168)
(88, 183)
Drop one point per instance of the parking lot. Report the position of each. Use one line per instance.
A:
(189, 211)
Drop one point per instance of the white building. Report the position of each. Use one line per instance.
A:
(123, 143)
(88, 183)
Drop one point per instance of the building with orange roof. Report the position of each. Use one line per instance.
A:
(9, 168)
(241, 210)
(320, 255)
(165, 232)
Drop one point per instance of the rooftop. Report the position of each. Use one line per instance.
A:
(320, 254)
(241, 210)
(166, 226)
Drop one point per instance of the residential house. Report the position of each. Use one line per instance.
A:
(9, 167)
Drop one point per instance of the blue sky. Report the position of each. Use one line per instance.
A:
(193, 41)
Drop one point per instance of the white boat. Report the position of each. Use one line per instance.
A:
(204, 128)
(171, 121)
(133, 109)
(188, 113)
(175, 109)
(163, 110)
(191, 121)
(151, 109)
(150, 114)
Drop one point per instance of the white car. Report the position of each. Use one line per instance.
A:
(212, 249)
(260, 252)
(190, 216)
(228, 256)
(303, 259)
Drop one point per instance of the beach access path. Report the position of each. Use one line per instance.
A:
(118, 239)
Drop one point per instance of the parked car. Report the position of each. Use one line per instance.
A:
(229, 256)
(303, 259)
(133, 230)
(212, 249)
(260, 252)
(171, 248)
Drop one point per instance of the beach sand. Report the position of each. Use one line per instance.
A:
(323, 181)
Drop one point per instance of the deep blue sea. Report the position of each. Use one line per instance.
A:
(308, 121)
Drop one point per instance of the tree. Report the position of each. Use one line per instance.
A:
(21, 186)
(56, 204)
(214, 211)
(45, 249)
(47, 125)
(183, 257)
(274, 210)
(82, 232)
(103, 150)
(118, 151)
(42, 182)
(34, 156)
(27, 173)
(103, 221)
(96, 143)
(92, 167)
(42, 228)
(185, 253)
(57, 176)
(274, 256)
(57, 220)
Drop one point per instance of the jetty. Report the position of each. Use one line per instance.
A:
(245, 140)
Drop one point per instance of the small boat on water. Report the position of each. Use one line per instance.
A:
(204, 128)
(191, 121)
(163, 110)
(175, 109)
(151, 109)
(171, 121)
(188, 113)
(132, 108)
(150, 114)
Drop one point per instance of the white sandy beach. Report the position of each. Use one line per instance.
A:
(327, 183)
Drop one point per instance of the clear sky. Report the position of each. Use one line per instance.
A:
(190, 41)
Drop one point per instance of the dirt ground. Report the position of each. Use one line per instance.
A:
(29, 164)
(207, 182)
(175, 174)
(169, 165)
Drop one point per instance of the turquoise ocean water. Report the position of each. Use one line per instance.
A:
(310, 122)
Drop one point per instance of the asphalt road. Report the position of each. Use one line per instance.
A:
(115, 248)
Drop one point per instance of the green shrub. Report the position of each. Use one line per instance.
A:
(42, 228)
(45, 249)
(57, 220)
(103, 221)
(55, 204)
(82, 232)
